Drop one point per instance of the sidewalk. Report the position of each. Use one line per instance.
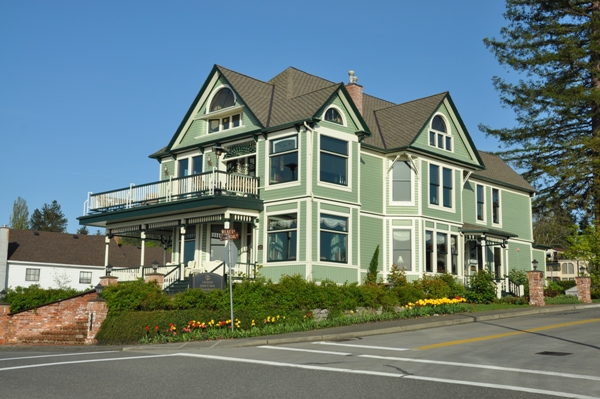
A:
(363, 330)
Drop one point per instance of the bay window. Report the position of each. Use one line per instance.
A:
(334, 238)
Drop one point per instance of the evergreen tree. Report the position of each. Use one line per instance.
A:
(555, 46)
(50, 218)
(83, 230)
(19, 220)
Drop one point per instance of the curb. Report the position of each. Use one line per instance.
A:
(463, 318)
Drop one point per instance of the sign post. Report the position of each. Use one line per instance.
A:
(231, 258)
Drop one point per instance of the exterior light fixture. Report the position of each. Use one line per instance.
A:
(99, 288)
(535, 263)
(108, 269)
(155, 266)
(581, 270)
(2, 296)
(218, 150)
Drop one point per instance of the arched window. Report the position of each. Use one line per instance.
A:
(333, 115)
(223, 99)
(439, 136)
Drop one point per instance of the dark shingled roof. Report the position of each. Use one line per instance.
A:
(498, 170)
(61, 248)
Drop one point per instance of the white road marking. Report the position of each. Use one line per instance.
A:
(395, 375)
(484, 366)
(361, 346)
(57, 355)
(29, 366)
(285, 348)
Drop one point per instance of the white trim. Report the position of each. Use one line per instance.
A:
(440, 206)
(438, 133)
(339, 110)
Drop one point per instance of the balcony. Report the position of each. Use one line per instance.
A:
(174, 190)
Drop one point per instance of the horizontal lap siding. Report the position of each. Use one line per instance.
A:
(519, 256)
(371, 180)
(371, 235)
(275, 272)
(515, 210)
(337, 274)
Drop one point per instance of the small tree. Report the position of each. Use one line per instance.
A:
(373, 267)
(83, 230)
(482, 288)
(50, 218)
(19, 220)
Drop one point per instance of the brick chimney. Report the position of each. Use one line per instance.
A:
(356, 91)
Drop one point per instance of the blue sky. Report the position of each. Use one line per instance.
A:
(90, 89)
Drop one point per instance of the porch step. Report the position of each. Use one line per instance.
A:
(176, 287)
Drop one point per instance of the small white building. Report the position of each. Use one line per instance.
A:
(54, 260)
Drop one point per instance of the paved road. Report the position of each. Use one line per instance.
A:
(545, 355)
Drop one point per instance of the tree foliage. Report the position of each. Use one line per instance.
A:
(552, 224)
(19, 220)
(585, 246)
(554, 45)
(83, 230)
(49, 218)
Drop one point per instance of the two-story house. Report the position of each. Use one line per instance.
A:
(314, 175)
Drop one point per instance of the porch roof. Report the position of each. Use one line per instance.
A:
(468, 228)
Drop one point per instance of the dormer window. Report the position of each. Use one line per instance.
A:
(439, 136)
(223, 99)
(333, 115)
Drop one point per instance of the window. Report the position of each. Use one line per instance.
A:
(429, 251)
(334, 161)
(189, 166)
(401, 182)
(480, 202)
(434, 186)
(402, 249)
(447, 187)
(284, 160)
(333, 115)
(442, 253)
(85, 277)
(282, 233)
(438, 135)
(32, 274)
(243, 166)
(223, 99)
(334, 238)
(495, 205)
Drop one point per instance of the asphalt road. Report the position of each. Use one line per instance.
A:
(536, 356)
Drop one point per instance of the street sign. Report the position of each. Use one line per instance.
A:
(229, 234)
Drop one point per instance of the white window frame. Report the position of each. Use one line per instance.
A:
(434, 254)
(269, 143)
(32, 274)
(86, 280)
(339, 110)
(221, 114)
(499, 222)
(347, 233)
(397, 261)
(335, 154)
(268, 232)
(444, 136)
(484, 213)
(440, 205)
(411, 182)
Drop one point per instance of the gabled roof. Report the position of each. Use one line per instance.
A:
(498, 171)
(73, 249)
(396, 126)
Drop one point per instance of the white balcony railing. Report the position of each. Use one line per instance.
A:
(173, 189)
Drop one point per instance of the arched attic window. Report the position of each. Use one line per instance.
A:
(333, 115)
(223, 99)
(439, 136)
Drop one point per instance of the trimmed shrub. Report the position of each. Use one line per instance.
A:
(482, 288)
(21, 298)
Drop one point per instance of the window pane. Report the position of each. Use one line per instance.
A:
(333, 169)
(449, 143)
(184, 169)
(334, 145)
(438, 124)
(442, 252)
(235, 120)
(332, 115)
(282, 246)
(495, 205)
(222, 100)
(429, 251)
(434, 182)
(226, 123)
(284, 168)
(440, 141)
(285, 144)
(331, 222)
(282, 222)
(447, 187)
(401, 188)
(402, 249)
(197, 165)
(480, 202)
(454, 253)
(85, 277)
(32, 274)
(213, 125)
(334, 246)
(431, 138)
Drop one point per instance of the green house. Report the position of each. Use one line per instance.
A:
(309, 176)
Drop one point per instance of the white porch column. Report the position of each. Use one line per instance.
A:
(181, 252)
(175, 246)
(106, 242)
(142, 251)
